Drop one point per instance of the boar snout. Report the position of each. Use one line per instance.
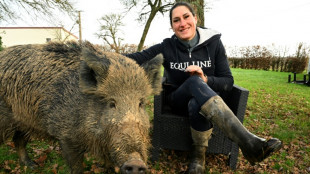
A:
(134, 166)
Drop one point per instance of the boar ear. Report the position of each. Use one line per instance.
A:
(153, 71)
(93, 69)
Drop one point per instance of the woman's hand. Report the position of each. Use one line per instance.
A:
(196, 70)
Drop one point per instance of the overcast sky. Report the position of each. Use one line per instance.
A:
(241, 22)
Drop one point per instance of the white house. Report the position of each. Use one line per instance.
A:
(34, 35)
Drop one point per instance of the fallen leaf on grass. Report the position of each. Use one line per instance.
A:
(54, 169)
(117, 169)
(96, 169)
(6, 165)
(10, 144)
(41, 160)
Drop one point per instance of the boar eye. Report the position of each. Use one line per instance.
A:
(112, 104)
(141, 104)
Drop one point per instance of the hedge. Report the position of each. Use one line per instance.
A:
(288, 64)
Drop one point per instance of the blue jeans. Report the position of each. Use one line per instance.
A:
(188, 98)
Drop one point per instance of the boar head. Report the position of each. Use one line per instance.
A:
(116, 122)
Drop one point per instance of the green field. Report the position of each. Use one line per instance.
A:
(275, 108)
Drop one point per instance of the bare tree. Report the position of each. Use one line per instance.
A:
(303, 52)
(279, 51)
(255, 51)
(59, 35)
(12, 9)
(149, 10)
(110, 28)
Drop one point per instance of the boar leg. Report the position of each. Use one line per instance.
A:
(73, 156)
(6, 128)
(6, 123)
(20, 141)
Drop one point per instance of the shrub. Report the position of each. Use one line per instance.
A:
(1, 48)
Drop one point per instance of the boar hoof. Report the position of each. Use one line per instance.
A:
(134, 167)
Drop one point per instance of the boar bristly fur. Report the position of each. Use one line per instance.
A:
(86, 99)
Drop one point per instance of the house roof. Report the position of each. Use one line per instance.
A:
(40, 28)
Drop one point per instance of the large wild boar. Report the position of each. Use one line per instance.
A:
(86, 99)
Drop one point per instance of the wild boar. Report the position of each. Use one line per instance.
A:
(86, 99)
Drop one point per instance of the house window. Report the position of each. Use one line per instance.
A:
(48, 39)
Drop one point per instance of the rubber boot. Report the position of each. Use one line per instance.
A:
(198, 155)
(254, 149)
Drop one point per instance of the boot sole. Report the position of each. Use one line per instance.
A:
(274, 147)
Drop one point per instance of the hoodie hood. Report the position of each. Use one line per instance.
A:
(206, 34)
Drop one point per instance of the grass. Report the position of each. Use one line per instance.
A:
(275, 108)
(280, 109)
(272, 100)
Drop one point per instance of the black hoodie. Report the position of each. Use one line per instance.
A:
(209, 54)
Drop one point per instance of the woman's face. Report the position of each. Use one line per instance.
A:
(183, 23)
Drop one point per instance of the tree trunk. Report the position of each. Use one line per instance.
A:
(308, 67)
(146, 29)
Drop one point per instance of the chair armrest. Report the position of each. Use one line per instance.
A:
(237, 100)
(159, 99)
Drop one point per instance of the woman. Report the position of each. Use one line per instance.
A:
(196, 67)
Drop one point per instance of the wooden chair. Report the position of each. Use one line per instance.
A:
(171, 131)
